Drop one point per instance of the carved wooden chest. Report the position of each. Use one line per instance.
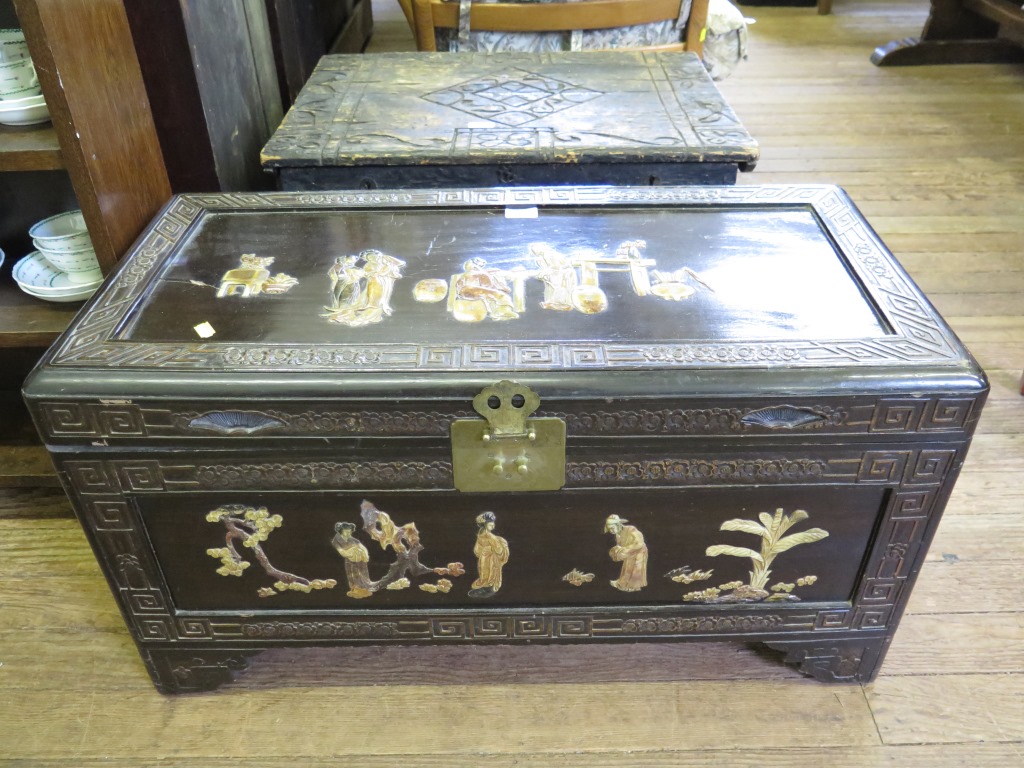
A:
(507, 416)
(482, 120)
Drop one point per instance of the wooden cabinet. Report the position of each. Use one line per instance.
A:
(100, 154)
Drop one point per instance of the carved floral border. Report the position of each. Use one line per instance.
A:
(919, 335)
(63, 420)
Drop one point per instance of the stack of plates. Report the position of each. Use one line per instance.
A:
(65, 267)
(37, 277)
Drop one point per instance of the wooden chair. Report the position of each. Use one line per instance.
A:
(427, 16)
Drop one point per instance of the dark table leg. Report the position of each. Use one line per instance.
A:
(960, 32)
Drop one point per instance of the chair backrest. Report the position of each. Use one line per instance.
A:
(530, 17)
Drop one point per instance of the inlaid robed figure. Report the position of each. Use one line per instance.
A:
(361, 287)
(491, 553)
(357, 560)
(630, 550)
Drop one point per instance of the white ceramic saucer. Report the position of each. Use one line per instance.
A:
(38, 277)
(80, 295)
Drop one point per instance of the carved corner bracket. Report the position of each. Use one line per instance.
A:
(838, 661)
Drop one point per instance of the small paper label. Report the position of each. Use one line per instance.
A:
(205, 330)
(479, 124)
(521, 213)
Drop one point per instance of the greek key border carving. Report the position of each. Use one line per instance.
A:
(546, 625)
(918, 337)
(98, 490)
(898, 545)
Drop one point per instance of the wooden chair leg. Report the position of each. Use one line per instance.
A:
(423, 25)
(406, 6)
(696, 27)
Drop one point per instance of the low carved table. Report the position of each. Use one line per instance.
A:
(508, 416)
(511, 119)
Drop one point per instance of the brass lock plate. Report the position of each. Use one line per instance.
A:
(507, 450)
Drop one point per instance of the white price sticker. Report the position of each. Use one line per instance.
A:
(205, 330)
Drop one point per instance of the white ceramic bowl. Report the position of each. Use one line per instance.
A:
(12, 45)
(24, 115)
(82, 260)
(84, 276)
(17, 74)
(24, 97)
(65, 233)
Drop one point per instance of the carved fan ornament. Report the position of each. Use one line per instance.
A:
(235, 422)
(784, 417)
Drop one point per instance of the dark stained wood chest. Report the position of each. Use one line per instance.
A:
(510, 119)
(508, 416)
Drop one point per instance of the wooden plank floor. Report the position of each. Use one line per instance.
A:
(934, 158)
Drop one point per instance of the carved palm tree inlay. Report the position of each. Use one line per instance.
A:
(514, 97)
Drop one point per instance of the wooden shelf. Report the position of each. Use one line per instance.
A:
(26, 321)
(24, 462)
(29, 148)
(26, 466)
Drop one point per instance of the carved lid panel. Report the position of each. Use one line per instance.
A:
(769, 283)
(421, 108)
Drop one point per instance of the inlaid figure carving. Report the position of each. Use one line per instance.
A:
(357, 559)
(630, 550)
(491, 553)
(347, 281)
(558, 274)
(632, 252)
(589, 297)
(361, 288)
(404, 540)
(253, 278)
(481, 291)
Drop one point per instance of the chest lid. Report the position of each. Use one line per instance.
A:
(577, 292)
(453, 109)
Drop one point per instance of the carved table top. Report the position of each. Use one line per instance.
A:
(442, 108)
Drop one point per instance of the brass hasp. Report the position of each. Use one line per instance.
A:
(509, 450)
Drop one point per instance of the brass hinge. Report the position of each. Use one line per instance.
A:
(508, 450)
